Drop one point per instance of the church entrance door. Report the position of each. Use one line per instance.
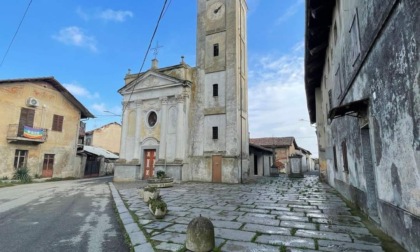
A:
(149, 163)
(217, 168)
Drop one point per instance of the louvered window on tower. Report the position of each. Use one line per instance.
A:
(215, 90)
(215, 132)
(216, 50)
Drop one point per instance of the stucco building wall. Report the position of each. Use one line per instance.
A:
(62, 144)
(107, 137)
(372, 61)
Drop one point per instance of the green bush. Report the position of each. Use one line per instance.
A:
(22, 174)
(160, 174)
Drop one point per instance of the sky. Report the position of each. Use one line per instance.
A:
(88, 46)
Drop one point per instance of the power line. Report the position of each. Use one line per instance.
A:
(147, 51)
(14, 36)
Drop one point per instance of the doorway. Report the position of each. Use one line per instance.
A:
(255, 164)
(217, 168)
(149, 163)
(48, 166)
(371, 190)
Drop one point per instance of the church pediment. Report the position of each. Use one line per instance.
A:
(152, 80)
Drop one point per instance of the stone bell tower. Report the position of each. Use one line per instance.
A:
(219, 123)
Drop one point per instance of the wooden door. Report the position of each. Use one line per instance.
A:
(26, 119)
(149, 163)
(217, 168)
(48, 167)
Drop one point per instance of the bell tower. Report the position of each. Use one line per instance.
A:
(219, 126)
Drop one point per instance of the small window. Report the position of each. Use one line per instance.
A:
(345, 162)
(335, 158)
(215, 90)
(57, 123)
(216, 50)
(20, 158)
(215, 132)
(152, 119)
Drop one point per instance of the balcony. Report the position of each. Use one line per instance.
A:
(26, 135)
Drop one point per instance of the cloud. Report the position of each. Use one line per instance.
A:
(102, 107)
(292, 10)
(277, 100)
(106, 15)
(75, 36)
(117, 16)
(80, 91)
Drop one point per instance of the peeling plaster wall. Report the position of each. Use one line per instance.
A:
(62, 144)
(375, 55)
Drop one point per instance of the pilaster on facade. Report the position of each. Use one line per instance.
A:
(163, 125)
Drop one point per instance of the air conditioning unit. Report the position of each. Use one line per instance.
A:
(32, 102)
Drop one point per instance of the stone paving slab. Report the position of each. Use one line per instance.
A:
(346, 246)
(236, 235)
(271, 214)
(235, 246)
(287, 241)
(266, 229)
(269, 222)
(298, 224)
(147, 247)
(170, 237)
(227, 224)
(324, 235)
(344, 229)
(137, 238)
(170, 246)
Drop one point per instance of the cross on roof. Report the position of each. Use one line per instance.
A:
(156, 49)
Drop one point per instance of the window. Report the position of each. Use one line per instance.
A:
(57, 123)
(216, 50)
(335, 158)
(345, 162)
(20, 158)
(215, 90)
(152, 119)
(215, 132)
(48, 162)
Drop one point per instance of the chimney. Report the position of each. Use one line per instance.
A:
(155, 64)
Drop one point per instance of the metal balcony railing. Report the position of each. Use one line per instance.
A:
(22, 133)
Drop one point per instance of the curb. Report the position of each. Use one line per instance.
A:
(137, 238)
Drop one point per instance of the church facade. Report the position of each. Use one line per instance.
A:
(192, 122)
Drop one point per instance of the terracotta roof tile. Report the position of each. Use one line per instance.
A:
(273, 141)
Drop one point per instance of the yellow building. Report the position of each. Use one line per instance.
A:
(39, 128)
(107, 137)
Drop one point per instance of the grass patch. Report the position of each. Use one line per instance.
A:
(316, 244)
(256, 236)
(60, 179)
(121, 224)
(293, 231)
(7, 184)
(283, 248)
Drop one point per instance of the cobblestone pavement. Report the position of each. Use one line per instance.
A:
(270, 214)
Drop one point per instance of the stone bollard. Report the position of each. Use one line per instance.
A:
(200, 235)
